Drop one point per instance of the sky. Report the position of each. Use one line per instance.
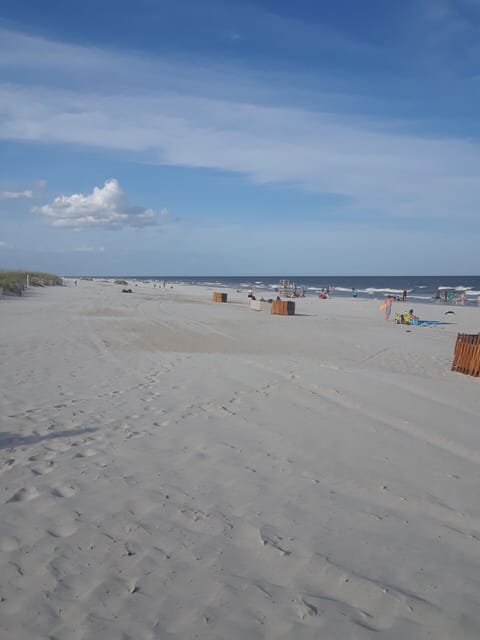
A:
(177, 137)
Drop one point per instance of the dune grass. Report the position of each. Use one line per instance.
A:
(15, 281)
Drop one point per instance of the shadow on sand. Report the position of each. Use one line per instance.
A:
(10, 440)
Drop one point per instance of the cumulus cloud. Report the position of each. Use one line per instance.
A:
(106, 207)
(16, 195)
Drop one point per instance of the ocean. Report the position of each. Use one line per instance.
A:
(421, 288)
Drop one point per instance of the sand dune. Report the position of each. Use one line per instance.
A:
(174, 468)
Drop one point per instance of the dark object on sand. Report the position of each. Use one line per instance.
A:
(449, 313)
(126, 291)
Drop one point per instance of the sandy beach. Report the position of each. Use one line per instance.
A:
(172, 468)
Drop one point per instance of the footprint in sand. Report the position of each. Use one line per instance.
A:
(62, 529)
(8, 464)
(165, 423)
(42, 467)
(132, 434)
(41, 457)
(274, 542)
(86, 453)
(25, 494)
(306, 609)
(63, 491)
(57, 447)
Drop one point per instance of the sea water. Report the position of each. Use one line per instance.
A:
(420, 288)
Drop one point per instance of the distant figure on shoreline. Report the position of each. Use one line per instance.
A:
(404, 295)
(354, 292)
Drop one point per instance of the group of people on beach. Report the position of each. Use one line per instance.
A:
(407, 317)
(451, 297)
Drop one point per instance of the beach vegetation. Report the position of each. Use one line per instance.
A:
(14, 282)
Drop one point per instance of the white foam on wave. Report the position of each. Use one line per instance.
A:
(457, 288)
(372, 290)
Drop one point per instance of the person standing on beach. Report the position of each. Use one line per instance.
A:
(404, 296)
(388, 307)
(354, 292)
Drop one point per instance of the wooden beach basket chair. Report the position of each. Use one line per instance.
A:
(466, 357)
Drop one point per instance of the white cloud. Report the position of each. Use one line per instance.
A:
(28, 194)
(375, 165)
(166, 217)
(87, 249)
(233, 36)
(16, 195)
(374, 169)
(105, 207)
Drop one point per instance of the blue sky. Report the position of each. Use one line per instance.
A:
(192, 138)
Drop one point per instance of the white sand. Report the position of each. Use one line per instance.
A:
(175, 468)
